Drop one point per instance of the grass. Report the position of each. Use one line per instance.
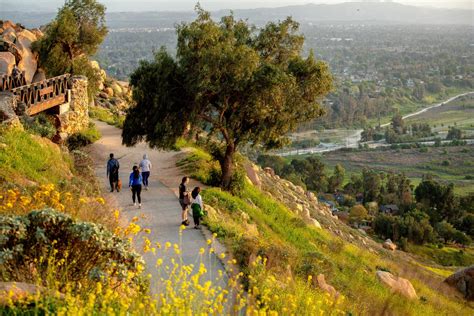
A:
(107, 116)
(256, 224)
(27, 158)
(447, 256)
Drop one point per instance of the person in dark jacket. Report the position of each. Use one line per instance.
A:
(184, 200)
(135, 183)
(113, 173)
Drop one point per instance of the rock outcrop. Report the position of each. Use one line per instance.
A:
(8, 104)
(388, 244)
(463, 281)
(15, 40)
(397, 285)
(323, 285)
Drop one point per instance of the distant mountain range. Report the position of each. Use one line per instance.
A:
(349, 12)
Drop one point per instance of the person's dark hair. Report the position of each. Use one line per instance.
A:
(111, 156)
(195, 192)
(136, 172)
(184, 179)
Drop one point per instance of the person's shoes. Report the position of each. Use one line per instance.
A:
(146, 188)
(196, 227)
(139, 205)
(112, 190)
(134, 204)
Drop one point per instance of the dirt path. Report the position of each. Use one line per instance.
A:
(160, 210)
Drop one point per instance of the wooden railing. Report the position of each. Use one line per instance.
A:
(43, 95)
(9, 82)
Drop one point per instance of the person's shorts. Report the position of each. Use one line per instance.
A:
(183, 205)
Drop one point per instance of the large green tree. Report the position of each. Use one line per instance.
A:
(245, 86)
(71, 38)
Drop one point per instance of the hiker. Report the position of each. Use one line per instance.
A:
(145, 167)
(197, 207)
(113, 173)
(184, 201)
(135, 183)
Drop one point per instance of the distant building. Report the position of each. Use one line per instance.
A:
(389, 209)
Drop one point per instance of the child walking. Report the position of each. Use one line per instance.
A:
(135, 183)
(197, 207)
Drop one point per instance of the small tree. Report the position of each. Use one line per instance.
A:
(358, 213)
(74, 35)
(244, 86)
(454, 133)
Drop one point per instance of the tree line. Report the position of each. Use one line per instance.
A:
(427, 213)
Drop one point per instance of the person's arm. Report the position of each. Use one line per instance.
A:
(199, 200)
(130, 181)
(108, 169)
(149, 165)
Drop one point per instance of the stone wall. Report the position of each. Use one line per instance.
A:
(77, 118)
(8, 104)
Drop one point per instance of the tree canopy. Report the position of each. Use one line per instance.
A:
(74, 35)
(243, 85)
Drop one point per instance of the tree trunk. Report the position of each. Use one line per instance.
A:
(227, 166)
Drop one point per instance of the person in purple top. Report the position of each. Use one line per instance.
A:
(135, 183)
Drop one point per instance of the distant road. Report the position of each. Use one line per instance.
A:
(431, 107)
(353, 140)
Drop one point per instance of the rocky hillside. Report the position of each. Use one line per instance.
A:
(15, 50)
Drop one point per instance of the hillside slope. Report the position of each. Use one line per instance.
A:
(298, 239)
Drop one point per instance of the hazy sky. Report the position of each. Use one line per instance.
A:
(186, 5)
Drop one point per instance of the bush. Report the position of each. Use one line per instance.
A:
(82, 252)
(83, 138)
(39, 125)
(237, 182)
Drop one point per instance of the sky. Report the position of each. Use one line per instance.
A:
(188, 5)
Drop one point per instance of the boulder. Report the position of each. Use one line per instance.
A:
(117, 88)
(6, 24)
(27, 34)
(397, 285)
(40, 75)
(38, 33)
(252, 174)
(323, 285)
(463, 281)
(28, 63)
(7, 62)
(9, 34)
(109, 91)
(269, 171)
(388, 244)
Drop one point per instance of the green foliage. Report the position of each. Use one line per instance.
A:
(109, 116)
(244, 86)
(89, 251)
(357, 213)
(25, 156)
(277, 163)
(83, 138)
(454, 133)
(73, 36)
(39, 125)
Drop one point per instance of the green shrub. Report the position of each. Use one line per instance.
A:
(83, 138)
(237, 182)
(39, 125)
(34, 244)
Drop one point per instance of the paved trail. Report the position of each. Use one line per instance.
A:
(160, 207)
